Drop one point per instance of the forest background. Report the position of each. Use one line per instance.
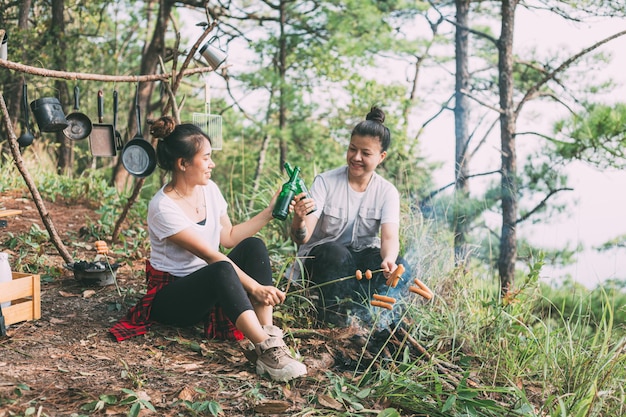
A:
(310, 71)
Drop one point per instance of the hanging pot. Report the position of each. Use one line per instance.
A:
(102, 139)
(49, 114)
(79, 124)
(138, 155)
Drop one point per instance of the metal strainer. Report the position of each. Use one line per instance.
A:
(211, 124)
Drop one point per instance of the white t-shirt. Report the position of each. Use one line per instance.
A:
(165, 219)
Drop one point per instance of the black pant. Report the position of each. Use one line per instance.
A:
(340, 300)
(190, 299)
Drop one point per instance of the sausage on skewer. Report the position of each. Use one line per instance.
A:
(384, 298)
(381, 304)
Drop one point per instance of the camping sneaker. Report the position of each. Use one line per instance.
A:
(272, 331)
(250, 352)
(274, 359)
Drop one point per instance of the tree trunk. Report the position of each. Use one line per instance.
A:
(508, 238)
(57, 28)
(461, 121)
(282, 65)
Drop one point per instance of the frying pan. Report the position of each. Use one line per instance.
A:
(138, 155)
(102, 140)
(79, 126)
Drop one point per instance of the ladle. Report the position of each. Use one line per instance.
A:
(27, 137)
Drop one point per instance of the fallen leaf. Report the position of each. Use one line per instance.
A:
(67, 294)
(272, 407)
(88, 293)
(187, 394)
(54, 320)
(329, 402)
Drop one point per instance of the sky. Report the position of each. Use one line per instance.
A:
(597, 204)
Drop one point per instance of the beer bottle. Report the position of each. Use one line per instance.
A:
(287, 193)
(301, 185)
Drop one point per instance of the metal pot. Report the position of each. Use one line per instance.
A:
(49, 114)
(79, 124)
(94, 273)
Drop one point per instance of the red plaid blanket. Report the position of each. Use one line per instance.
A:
(137, 320)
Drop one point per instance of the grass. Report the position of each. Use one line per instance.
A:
(557, 351)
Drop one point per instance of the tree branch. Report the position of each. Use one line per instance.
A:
(541, 204)
(30, 183)
(94, 77)
(551, 75)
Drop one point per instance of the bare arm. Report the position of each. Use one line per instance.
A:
(231, 234)
(389, 247)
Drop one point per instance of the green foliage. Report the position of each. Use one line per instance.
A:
(595, 136)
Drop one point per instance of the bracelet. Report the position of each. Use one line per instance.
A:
(299, 234)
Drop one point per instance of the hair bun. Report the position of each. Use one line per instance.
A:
(162, 127)
(376, 114)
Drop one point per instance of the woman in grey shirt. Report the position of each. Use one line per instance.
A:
(355, 226)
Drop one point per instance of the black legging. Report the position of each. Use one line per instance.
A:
(330, 261)
(188, 300)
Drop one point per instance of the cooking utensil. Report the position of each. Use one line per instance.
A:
(119, 144)
(138, 155)
(79, 124)
(211, 124)
(27, 137)
(102, 139)
(49, 114)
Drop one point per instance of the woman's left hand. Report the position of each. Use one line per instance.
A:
(268, 295)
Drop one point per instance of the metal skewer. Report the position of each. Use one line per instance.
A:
(329, 282)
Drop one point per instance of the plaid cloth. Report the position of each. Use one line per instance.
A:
(137, 320)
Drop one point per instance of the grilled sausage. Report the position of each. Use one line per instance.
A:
(381, 304)
(384, 298)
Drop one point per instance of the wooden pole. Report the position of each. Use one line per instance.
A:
(41, 207)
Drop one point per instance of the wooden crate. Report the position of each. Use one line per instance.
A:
(24, 292)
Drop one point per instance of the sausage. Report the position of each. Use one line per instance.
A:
(421, 284)
(426, 294)
(358, 275)
(368, 274)
(394, 277)
(101, 247)
(384, 298)
(381, 304)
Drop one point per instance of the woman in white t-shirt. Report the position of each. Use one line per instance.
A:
(189, 279)
(355, 226)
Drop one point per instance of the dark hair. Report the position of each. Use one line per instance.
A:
(176, 141)
(373, 126)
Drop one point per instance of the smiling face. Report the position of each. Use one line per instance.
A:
(198, 170)
(364, 155)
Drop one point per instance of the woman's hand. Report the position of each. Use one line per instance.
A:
(267, 295)
(388, 266)
(302, 205)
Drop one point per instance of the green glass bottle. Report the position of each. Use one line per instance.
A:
(301, 185)
(288, 192)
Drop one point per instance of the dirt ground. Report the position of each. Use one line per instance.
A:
(67, 360)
